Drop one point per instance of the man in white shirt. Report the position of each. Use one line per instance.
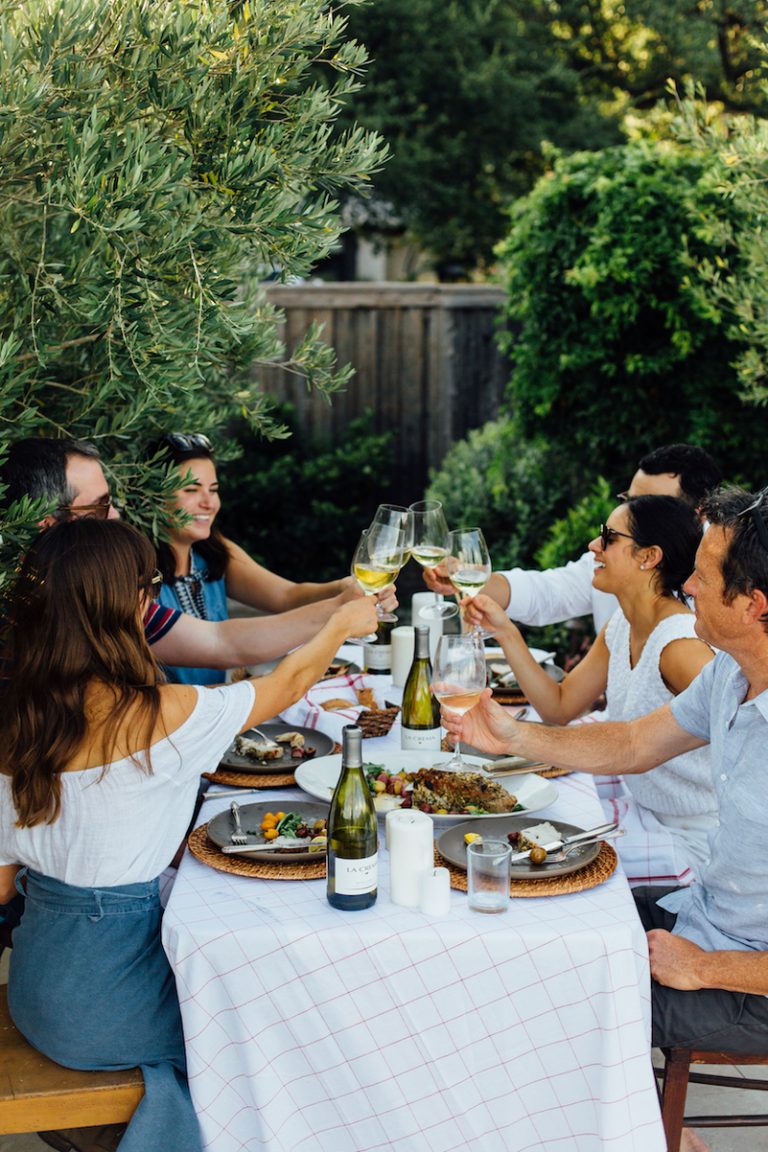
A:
(538, 598)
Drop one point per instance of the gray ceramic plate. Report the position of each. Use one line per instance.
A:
(221, 828)
(451, 845)
(321, 743)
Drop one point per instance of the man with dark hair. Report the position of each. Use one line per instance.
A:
(708, 943)
(538, 598)
(68, 475)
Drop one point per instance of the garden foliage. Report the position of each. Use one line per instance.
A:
(326, 492)
(157, 160)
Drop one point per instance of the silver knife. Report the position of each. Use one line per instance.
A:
(239, 849)
(556, 845)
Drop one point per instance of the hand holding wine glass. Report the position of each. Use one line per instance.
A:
(458, 680)
(487, 725)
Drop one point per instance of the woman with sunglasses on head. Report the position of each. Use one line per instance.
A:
(647, 653)
(201, 568)
(99, 772)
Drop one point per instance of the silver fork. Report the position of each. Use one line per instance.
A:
(238, 836)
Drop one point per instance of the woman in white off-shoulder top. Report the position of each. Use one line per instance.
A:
(99, 769)
(647, 653)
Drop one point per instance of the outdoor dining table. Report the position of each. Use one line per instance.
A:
(311, 1028)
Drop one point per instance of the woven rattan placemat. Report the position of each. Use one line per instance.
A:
(603, 866)
(208, 852)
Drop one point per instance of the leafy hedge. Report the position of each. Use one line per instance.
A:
(615, 347)
(298, 506)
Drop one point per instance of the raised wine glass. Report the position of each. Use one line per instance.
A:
(458, 680)
(388, 519)
(469, 565)
(380, 554)
(430, 547)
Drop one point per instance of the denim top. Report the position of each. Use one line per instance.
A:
(728, 909)
(215, 600)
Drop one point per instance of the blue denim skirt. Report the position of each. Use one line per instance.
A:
(90, 986)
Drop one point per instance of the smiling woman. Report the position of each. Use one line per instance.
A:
(201, 568)
(645, 655)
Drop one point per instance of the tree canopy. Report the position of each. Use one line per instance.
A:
(156, 162)
(468, 93)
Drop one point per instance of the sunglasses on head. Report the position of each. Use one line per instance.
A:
(187, 442)
(753, 511)
(608, 535)
(153, 585)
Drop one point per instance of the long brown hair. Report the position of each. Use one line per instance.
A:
(74, 621)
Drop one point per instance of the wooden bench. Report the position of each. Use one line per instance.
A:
(37, 1095)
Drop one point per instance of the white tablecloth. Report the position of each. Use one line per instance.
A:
(310, 1028)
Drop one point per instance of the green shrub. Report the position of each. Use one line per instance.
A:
(298, 506)
(509, 485)
(615, 347)
(569, 536)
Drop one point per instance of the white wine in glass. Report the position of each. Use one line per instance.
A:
(470, 565)
(377, 562)
(458, 681)
(431, 546)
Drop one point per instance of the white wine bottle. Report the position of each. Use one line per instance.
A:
(420, 713)
(378, 654)
(352, 832)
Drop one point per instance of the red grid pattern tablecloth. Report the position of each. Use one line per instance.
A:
(309, 1028)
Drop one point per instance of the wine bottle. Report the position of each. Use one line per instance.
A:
(352, 832)
(420, 713)
(378, 654)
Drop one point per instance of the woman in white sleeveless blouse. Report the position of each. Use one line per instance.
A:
(647, 653)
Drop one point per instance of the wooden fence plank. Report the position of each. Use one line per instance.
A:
(426, 363)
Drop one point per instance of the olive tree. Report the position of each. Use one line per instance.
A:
(157, 162)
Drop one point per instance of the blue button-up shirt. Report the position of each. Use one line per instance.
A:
(728, 908)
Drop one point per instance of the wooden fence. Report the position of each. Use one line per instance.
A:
(425, 358)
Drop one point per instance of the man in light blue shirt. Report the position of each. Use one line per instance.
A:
(708, 943)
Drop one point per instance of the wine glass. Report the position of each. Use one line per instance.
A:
(458, 680)
(430, 547)
(380, 554)
(395, 516)
(469, 565)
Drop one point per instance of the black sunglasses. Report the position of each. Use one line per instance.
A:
(608, 535)
(753, 511)
(187, 442)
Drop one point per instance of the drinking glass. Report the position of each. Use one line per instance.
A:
(378, 558)
(488, 875)
(458, 681)
(469, 565)
(395, 516)
(430, 546)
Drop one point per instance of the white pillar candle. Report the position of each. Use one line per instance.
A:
(436, 892)
(402, 654)
(410, 855)
(424, 600)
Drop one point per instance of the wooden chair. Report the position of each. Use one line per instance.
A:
(676, 1075)
(37, 1095)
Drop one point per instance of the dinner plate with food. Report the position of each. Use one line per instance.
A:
(274, 748)
(412, 780)
(291, 835)
(502, 679)
(524, 836)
